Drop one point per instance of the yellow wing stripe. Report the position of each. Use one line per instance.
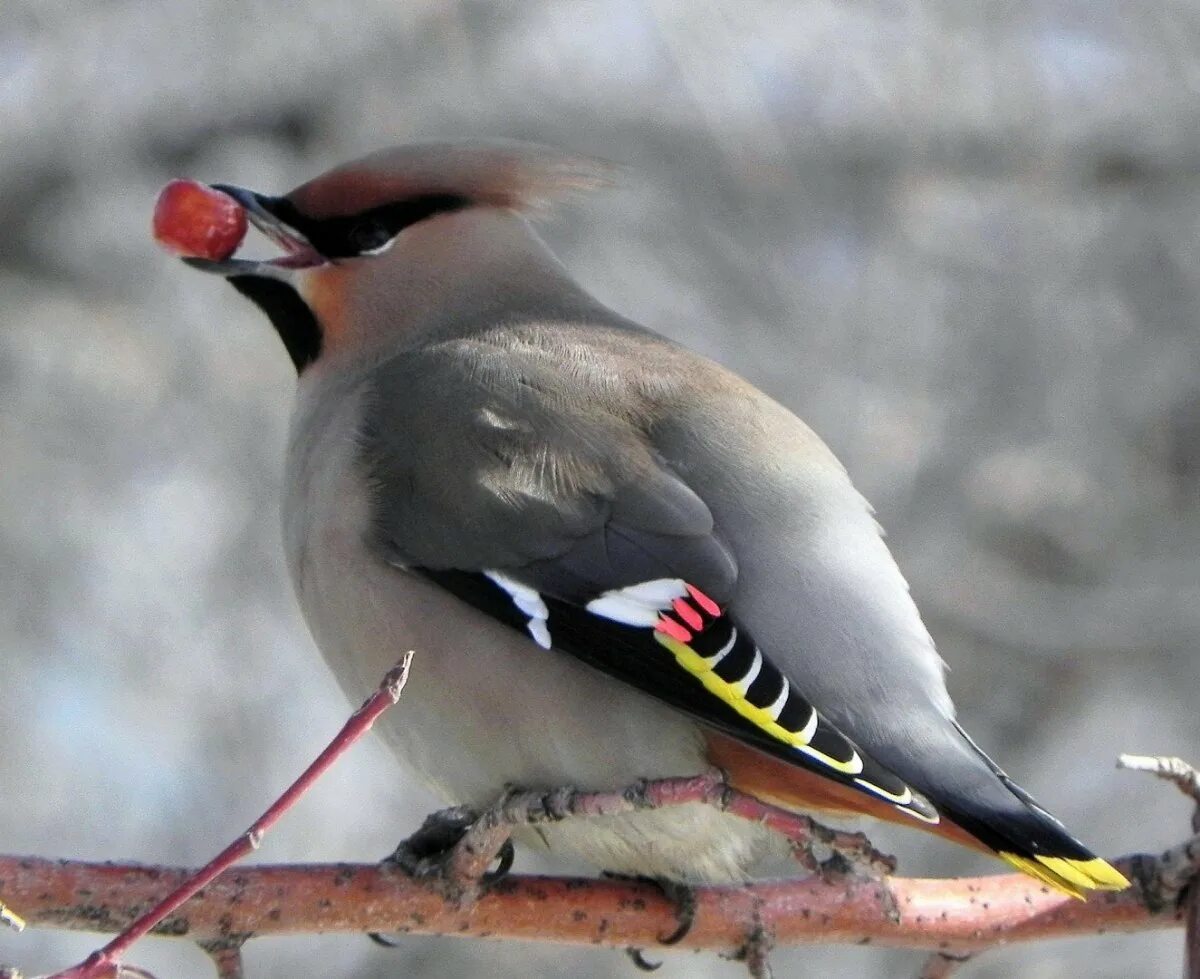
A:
(760, 717)
(1070, 877)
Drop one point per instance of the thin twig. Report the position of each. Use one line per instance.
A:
(1172, 769)
(105, 963)
(1179, 864)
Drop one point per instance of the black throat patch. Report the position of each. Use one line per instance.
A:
(289, 314)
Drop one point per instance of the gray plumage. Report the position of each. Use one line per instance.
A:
(473, 409)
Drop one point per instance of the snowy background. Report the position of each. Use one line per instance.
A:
(962, 239)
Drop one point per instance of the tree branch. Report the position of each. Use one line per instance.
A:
(952, 916)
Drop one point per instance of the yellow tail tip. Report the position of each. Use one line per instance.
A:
(1071, 877)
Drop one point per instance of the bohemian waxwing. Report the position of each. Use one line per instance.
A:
(615, 559)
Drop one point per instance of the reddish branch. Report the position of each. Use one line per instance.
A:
(950, 915)
(955, 918)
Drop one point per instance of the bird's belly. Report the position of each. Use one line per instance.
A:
(486, 707)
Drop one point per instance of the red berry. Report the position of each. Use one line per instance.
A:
(191, 218)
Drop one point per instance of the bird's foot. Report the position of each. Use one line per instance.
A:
(837, 867)
(835, 854)
(681, 896)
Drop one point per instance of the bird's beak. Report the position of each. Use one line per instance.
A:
(298, 251)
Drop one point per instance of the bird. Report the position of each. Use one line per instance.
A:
(616, 559)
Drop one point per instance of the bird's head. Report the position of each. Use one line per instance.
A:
(371, 243)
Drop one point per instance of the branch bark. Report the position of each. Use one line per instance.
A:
(954, 916)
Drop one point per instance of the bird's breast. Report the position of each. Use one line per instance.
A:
(485, 706)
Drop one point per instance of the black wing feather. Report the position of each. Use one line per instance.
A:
(631, 654)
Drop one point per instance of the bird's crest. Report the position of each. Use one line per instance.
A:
(523, 176)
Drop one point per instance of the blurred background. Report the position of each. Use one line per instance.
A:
(959, 238)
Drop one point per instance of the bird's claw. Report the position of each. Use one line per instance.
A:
(638, 957)
(681, 896)
(684, 899)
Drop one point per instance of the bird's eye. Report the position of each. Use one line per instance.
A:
(369, 236)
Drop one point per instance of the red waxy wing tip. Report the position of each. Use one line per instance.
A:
(193, 219)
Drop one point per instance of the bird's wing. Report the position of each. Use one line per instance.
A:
(517, 470)
(534, 495)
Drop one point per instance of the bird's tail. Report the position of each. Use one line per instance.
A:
(1009, 822)
(1039, 845)
(1071, 876)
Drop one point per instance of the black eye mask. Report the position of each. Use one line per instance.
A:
(356, 234)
